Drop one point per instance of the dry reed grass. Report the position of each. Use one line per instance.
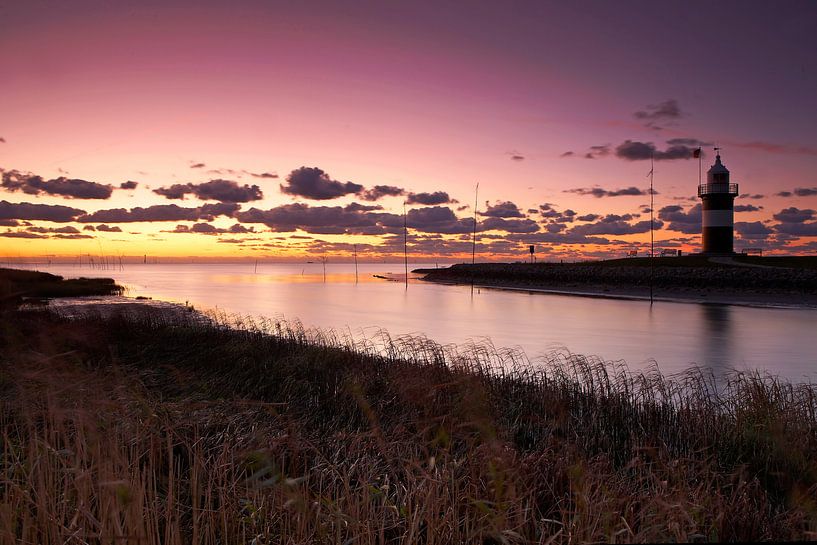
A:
(238, 430)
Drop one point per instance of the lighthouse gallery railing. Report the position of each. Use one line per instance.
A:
(710, 189)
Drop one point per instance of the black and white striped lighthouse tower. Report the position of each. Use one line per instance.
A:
(717, 209)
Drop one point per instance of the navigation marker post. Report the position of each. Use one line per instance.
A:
(355, 263)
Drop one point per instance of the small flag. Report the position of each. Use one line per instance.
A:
(696, 153)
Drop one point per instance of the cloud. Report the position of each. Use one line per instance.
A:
(687, 222)
(771, 147)
(379, 191)
(198, 165)
(357, 207)
(31, 184)
(71, 237)
(108, 228)
(357, 219)
(323, 219)
(66, 232)
(47, 212)
(752, 230)
(216, 190)
(502, 209)
(798, 229)
(226, 191)
(784, 194)
(430, 199)
(614, 224)
(68, 229)
(567, 154)
(314, 183)
(597, 151)
(21, 234)
(599, 192)
(2, 140)
(794, 215)
(128, 185)
(665, 113)
(175, 191)
(209, 229)
(756, 196)
(805, 191)
(438, 219)
(161, 212)
(640, 151)
(548, 212)
(691, 142)
(508, 225)
(263, 174)
(796, 222)
(747, 208)
(568, 237)
(588, 217)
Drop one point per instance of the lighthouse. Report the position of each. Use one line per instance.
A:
(717, 209)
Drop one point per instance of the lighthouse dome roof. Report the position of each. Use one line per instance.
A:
(718, 167)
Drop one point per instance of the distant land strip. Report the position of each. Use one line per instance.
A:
(748, 280)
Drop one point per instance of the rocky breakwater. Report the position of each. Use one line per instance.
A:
(669, 277)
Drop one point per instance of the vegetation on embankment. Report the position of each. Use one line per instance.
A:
(790, 276)
(172, 430)
(17, 284)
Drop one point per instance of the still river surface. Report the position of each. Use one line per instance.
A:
(673, 335)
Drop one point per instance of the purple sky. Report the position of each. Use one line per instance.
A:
(423, 97)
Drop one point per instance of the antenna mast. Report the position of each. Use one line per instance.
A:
(652, 233)
(474, 240)
(405, 242)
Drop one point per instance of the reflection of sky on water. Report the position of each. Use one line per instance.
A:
(676, 335)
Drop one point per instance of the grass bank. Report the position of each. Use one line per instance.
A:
(171, 430)
(17, 285)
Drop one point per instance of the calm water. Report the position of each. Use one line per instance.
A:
(675, 335)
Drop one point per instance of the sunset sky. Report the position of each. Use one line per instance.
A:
(289, 130)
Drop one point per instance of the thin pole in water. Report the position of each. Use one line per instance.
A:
(474, 238)
(405, 242)
(255, 271)
(355, 263)
(652, 234)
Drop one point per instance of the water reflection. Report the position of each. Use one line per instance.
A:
(717, 338)
(675, 335)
